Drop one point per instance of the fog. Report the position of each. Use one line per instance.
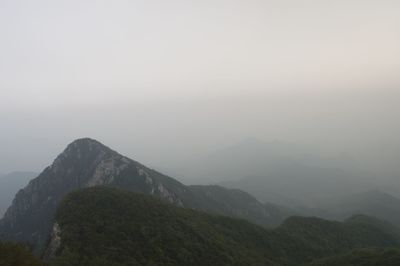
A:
(168, 82)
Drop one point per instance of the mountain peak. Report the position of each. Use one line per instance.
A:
(85, 140)
(83, 151)
(88, 163)
(86, 143)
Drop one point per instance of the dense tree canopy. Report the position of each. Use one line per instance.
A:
(104, 226)
(16, 255)
(364, 257)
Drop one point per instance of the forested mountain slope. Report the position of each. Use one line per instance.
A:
(105, 226)
(88, 163)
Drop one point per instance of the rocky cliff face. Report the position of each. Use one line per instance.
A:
(88, 163)
(84, 163)
(10, 184)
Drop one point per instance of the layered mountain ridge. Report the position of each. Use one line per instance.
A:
(88, 163)
(107, 226)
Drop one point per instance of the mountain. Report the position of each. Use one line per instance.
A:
(298, 185)
(17, 255)
(9, 186)
(253, 157)
(363, 257)
(284, 173)
(107, 226)
(237, 203)
(374, 203)
(87, 163)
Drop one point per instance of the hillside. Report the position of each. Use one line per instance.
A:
(283, 173)
(9, 186)
(105, 226)
(237, 203)
(374, 203)
(364, 257)
(88, 163)
(16, 255)
(298, 185)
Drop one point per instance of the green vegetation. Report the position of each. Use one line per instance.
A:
(105, 226)
(374, 203)
(87, 162)
(364, 257)
(16, 255)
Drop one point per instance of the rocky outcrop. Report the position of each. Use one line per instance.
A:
(88, 163)
(84, 163)
(54, 243)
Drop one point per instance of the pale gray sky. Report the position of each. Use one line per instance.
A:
(154, 78)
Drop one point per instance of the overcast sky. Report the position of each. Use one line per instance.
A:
(162, 80)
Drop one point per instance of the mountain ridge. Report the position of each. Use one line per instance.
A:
(94, 226)
(10, 184)
(87, 163)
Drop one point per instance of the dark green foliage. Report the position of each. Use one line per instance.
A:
(87, 162)
(16, 255)
(122, 227)
(363, 257)
(104, 226)
(236, 203)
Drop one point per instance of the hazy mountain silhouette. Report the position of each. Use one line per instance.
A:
(284, 173)
(373, 203)
(88, 163)
(10, 184)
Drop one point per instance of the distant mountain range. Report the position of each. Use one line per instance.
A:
(253, 157)
(283, 173)
(288, 175)
(94, 206)
(105, 226)
(88, 163)
(9, 186)
(373, 203)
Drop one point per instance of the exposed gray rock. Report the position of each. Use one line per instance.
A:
(54, 243)
(88, 163)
